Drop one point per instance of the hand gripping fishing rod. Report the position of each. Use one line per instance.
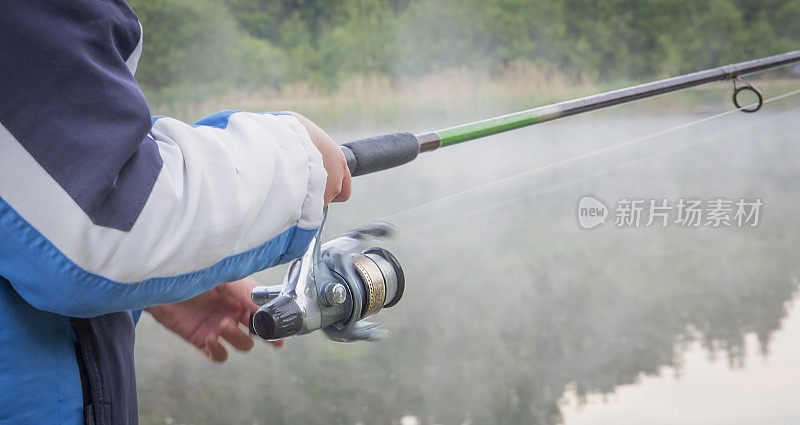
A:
(336, 285)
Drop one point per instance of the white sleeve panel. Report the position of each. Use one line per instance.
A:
(220, 192)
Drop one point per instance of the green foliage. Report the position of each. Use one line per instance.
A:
(194, 48)
(363, 42)
(205, 46)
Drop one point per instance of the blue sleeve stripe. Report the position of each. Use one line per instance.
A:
(50, 281)
(216, 120)
(136, 315)
(220, 119)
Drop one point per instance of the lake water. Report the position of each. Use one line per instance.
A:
(707, 390)
(514, 314)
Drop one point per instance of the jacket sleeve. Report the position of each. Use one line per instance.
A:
(103, 209)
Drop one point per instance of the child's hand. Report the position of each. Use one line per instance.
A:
(337, 188)
(222, 313)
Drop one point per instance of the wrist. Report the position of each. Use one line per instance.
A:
(159, 312)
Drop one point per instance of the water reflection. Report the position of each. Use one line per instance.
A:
(509, 307)
(706, 390)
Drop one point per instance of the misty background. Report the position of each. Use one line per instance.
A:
(210, 46)
(512, 313)
(389, 54)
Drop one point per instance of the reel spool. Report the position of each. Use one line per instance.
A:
(382, 277)
(333, 287)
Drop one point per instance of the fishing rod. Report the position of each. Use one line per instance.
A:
(391, 150)
(336, 285)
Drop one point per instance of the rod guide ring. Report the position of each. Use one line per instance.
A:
(747, 87)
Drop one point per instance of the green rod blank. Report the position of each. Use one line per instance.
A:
(487, 127)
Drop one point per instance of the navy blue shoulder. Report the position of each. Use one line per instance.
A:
(70, 100)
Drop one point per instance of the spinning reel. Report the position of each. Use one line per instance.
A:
(333, 287)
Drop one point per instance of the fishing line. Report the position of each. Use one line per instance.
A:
(438, 203)
(335, 285)
(511, 200)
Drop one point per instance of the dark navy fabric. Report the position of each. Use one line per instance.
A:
(105, 356)
(39, 379)
(70, 100)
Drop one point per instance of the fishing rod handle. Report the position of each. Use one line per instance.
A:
(380, 152)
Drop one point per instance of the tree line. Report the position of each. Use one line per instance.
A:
(202, 47)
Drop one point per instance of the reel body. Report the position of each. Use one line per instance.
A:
(333, 287)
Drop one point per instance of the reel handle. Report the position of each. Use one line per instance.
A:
(380, 152)
(279, 319)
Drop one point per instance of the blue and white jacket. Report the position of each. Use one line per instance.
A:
(103, 211)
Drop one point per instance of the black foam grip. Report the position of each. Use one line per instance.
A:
(380, 152)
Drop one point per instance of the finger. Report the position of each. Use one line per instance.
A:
(328, 196)
(278, 343)
(347, 185)
(243, 295)
(239, 293)
(246, 315)
(231, 332)
(216, 351)
(333, 187)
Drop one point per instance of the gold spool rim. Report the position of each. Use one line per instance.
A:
(373, 280)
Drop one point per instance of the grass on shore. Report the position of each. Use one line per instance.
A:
(449, 96)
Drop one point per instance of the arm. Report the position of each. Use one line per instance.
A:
(102, 211)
